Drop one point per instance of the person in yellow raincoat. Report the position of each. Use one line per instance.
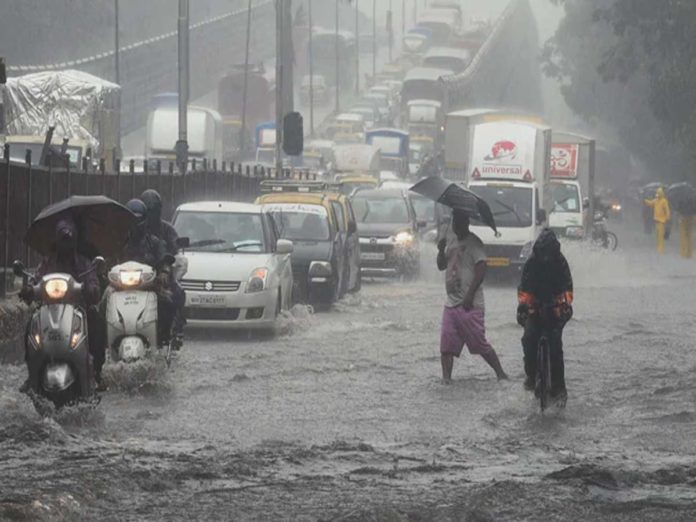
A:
(661, 215)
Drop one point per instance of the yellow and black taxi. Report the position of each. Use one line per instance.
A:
(316, 219)
(346, 184)
(389, 233)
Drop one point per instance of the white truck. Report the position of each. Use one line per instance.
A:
(204, 134)
(572, 182)
(510, 169)
(357, 160)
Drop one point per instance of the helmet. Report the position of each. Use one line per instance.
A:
(138, 208)
(547, 245)
(153, 203)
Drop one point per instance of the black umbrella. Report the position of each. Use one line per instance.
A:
(102, 224)
(455, 196)
(682, 198)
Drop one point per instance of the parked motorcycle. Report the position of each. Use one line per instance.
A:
(131, 312)
(57, 347)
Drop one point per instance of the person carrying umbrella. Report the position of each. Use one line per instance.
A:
(661, 215)
(463, 259)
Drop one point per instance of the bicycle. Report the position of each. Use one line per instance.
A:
(543, 368)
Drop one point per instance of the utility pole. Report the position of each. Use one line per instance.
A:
(183, 46)
(374, 40)
(403, 18)
(242, 131)
(280, 9)
(117, 74)
(357, 50)
(338, 74)
(390, 29)
(311, 71)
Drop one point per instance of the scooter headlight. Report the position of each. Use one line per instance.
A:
(257, 280)
(130, 278)
(56, 288)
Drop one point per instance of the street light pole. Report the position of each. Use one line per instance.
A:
(374, 40)
(311, 71)
(357, 50)
(117, 77)
(280, 9)
(246, 82)
(338, 74)
(183, 45)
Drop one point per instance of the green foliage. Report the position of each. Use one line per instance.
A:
(629, 64)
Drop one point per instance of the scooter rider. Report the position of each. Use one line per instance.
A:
(546, 279)
(162, 229)
(148, 249)
(66, 259)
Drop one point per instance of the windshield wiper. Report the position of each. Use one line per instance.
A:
(207, 242)
(244, 244)
(510, 210)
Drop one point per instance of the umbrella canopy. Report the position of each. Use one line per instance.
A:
(682, 198)
(455, 196)
(102, 224)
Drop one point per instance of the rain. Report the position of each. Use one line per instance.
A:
(352, 260)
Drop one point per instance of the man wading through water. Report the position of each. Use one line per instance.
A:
(463, 319)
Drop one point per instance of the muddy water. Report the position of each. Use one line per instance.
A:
(342, 416)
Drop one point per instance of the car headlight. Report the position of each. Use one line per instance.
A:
(616, 207)
(527, 250)
(257, 280)
(56, 288)
(403, 238)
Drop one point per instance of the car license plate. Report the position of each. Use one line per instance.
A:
(372, 256)
(498, 261)
(207, 300)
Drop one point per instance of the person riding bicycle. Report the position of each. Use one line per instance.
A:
(546, 281)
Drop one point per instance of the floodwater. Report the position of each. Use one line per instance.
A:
(342, 416)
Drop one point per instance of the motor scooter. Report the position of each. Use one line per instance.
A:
(57, 338)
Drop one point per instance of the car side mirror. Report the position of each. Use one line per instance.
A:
(352, 227)
(586, 203)
(541, 216)
(183, 242)
(18, 268)
(421, 224)
(284, 246)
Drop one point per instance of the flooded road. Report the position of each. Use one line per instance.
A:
(342, 416)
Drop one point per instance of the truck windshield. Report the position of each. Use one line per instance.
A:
(511, 206)
(565, 198)
(221, 231)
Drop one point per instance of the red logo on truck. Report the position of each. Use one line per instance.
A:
(502, 150)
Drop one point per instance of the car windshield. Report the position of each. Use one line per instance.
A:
(511, 206)
(297, 225)
(566, 198)
(380, 209)
(425, 208)
(222, 231)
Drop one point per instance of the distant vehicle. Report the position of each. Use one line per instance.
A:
(319, 88)
(324, 55)
(205, 136)
(239, 271)
(357, 160)
(393, 143)
(443, 23)
(369, 113)
(419, 148)
(259, 108)
(323, 147)
(455, 59)
(345, 123)
(383, 104)
(415, 44)
(19, 145)
(266, 144)
(389, 233)
(423, 83)
(425, 118)
(346, 184)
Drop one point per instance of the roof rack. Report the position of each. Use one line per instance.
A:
(293, 185)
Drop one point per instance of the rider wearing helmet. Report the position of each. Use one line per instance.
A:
(546, 280)
(162, 229)
(148, 249)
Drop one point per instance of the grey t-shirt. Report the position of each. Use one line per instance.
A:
(462, 256)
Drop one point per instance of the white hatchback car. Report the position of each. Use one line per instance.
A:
(239, 272)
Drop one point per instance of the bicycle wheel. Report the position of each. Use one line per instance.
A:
(543, 373)
(612, 241)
